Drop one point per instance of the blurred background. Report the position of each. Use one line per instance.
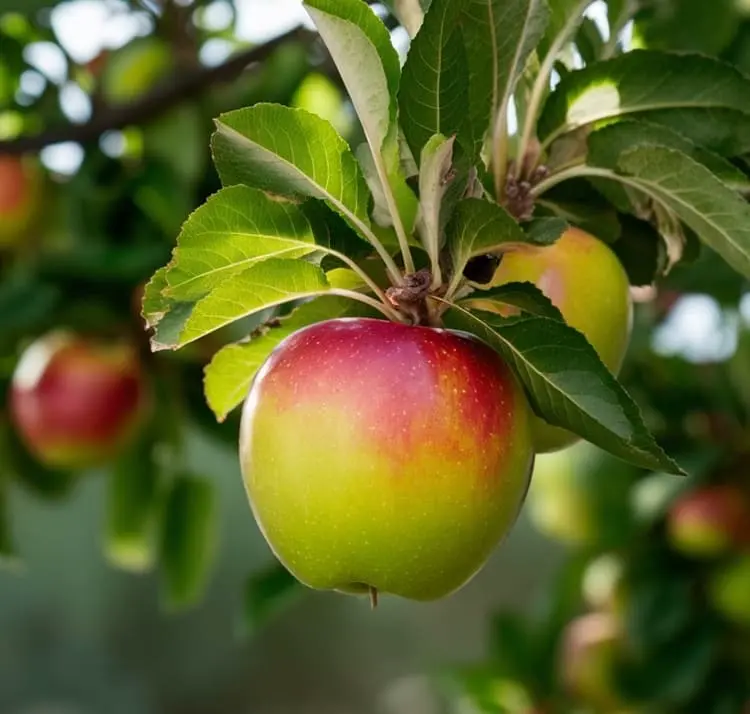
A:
(111, 104)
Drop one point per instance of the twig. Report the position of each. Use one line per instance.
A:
(155, 103)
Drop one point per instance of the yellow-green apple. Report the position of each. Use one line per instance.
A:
(588, 658)
(585, 280)
(20, 194)
(729, 590)
(381, 457)
(581, 496)
(76, 402)
(135, 69)
(710, 521)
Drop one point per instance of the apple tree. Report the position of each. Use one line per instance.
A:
(407, 318)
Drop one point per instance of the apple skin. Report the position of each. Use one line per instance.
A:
(20, 194)
(729, 591)
(77, 403)
(585, 280)
(709, 521)
(132, 70)
(382, 456)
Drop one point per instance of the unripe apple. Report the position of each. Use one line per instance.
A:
(580, 496)
(729, 591)
(132, 70)
(20, 193)
(75, 402)
(709, 521)
(588, 659)
(380, 457)
(585, 280)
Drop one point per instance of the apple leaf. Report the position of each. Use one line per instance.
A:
(236, 228)
(499, 36)
(545, 231)
(724, 131)
(368, 63)
(607, 144)
(479, 227)
(434, 181)
(410, 13)
(434, 90)
(524, 296)
(640, 81)
(718, 215)
(133, 501)
(267, 284)
(293, 153)
(188, 541)
(229, 375)
(566, 382)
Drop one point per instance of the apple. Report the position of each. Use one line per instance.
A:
(588, 658)
(580, 496)
(381, 457)
(76, 402)
(709, 521)
(729, 590)
(585, 280)
(132, 70)
(20, 189)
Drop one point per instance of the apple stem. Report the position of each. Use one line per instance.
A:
(373, 597)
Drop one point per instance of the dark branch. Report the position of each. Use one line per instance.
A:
(156, 102)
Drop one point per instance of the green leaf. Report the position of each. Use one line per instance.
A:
(229, 375)
(717, 214)
(269, 283)
(368, 63)
(9, 557)
(434, 89)
(567, 384)
(524, 296)
(292, 153)
(268, 592)
(688, 25)
(640, 81)
(479, 227)
(410, 13)
(133, 501)
(499, 36)
(188, 541)
(235, 229)
(607, 144)
(545, 231)
(434, 181)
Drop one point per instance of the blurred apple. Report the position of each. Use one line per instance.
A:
(75, 402)
(709, 521)
(729, 591)
(20, 197)
(588, 658)
(580, 496)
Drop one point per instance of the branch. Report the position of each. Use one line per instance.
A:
(153, 104)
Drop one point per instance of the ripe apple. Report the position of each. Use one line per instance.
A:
(585, 280)
(580, 496)
(380, 457)
(135, 69)
(709, 521)
(588, 658)
(729, 591)
(76, 403)
(20, 189)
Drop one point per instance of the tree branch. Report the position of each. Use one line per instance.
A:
(156, 102)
